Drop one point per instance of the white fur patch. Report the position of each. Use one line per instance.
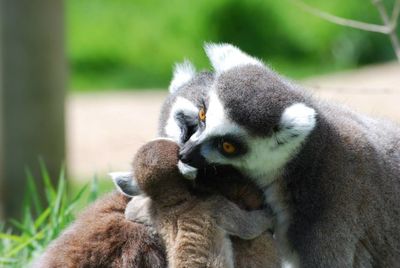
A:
(287, 264)
(266, 157)
(298, 119)
(172, 129)
(187, 171)
(217, 122)
(183, 73)
(225, 56)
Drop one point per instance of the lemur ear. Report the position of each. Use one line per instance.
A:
(298, 120)
(183, 72)
(125, 183)
(225, 56)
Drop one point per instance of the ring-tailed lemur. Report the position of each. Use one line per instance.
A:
(178, 121)
(332, 176)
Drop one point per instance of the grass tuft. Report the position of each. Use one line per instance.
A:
(23, 241)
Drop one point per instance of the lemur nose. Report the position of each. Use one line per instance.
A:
(190, 154)
(185, 154)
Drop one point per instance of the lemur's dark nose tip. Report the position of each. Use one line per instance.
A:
(182, 157)
(185, 154)
(190, 154)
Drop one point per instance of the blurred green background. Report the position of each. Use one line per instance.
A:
(132, 44)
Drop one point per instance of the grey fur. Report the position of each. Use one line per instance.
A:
(337, 198)
(195, 228)
(251, 253)
(195, 91)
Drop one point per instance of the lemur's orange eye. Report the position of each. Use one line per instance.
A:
(202, 115)
(228, 148)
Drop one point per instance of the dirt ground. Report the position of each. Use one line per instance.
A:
(105, 129)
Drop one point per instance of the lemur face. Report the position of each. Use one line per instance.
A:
(178, 118)
(254, 120)
(179, 114)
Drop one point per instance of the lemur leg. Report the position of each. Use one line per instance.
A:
(241, 223)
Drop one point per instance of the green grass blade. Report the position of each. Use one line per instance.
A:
(23, 245)
(75, 200)
(94, 189)
(20, 227)
(7, 260)
(15, 238)
(58, 198)
(42, 217)
(50, 190)
(33, 192)
(29, 236)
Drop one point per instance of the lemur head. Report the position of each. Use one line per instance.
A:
(156, 172)
(179, 113)
(254, 120)
(178, 118)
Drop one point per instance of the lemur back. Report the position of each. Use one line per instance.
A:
(331, 176)
(102, 237)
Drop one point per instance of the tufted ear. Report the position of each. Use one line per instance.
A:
(125, 183)
(225, 56)
(183, 72)
(298, 120)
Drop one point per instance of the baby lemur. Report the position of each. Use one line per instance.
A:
(195, 225)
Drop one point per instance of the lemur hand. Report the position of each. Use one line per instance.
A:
(138, 211)
(238, 222)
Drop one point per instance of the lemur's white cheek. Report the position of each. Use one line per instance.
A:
(172, 129)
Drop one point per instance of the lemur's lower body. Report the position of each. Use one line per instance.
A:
(102, 237)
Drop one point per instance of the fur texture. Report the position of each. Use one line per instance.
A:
(336, 182)
(195, 227)
(183, 72)
(217, 178)
(122, 243)
(102, 237)
(261, 251)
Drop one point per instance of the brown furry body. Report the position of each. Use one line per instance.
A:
(123, 241)
(260, 251)
(195, 227)
(102, 237)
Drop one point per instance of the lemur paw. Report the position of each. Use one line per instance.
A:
(138, 210)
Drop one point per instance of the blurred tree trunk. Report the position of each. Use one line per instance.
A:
(33, 79)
